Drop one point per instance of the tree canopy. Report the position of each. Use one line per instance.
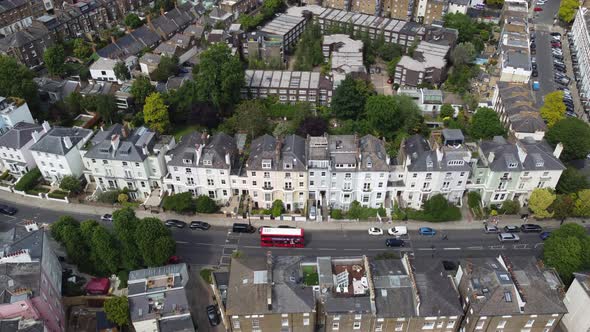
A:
(55, 59)
(140, 89)
(155, 113)
(568, 251)
(469, 30)
(121, 71)
(553, 109)
(133, 21)
(574, 134)
(70, 183)
(540, 202)
(167, 67)
(462, 54)
(348, 101)
(16, 80)
(308, 52)
(486, 124)
(390, 114)
(571, 181)
(248, 117)
(117, 310)
(567, 10)
(81, 49)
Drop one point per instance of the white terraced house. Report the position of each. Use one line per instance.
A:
(15, 145)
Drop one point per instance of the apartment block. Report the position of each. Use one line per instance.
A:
(428, 65)
(577, 301)
(158, 299)
(515, 60)
(12, 111)
(238, 7)
(27, 45)
(400, 10)
(345, 56)
(581, 45)
(514, 104)
(287, 28)
(257, 45)
(288, 86)
(202, 165)
(509, 294)
(15, 144)
(119, 158)
(512, 170)
(428, 11)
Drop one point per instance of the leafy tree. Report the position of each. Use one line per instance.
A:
(571, 181)
(562, 207)
(204, 204)
(106, 107)
(74, 103)
(133, 21)
(155, 113)
(463, 53)
(29, 180)
(247, 118)
(141, 88)
(122, 198)
(574, 134)
(540, 202)
(567, 10)
(438, 208)
(473, 199)
(486, 124)
(154, 241)
(348, 101)
(121, 71)
(17, 80)
(55, 58)
(313, 126)
(219, 76)
(283, 128)
(270, 7)
(389, 51)
(104, 248)
(87, 228)
(510, 206)
(71, 184)
(181, 203)
(459, 79)
(167, 67)
(469, 30)
(117, 310)
(58, 227)
(554, 109)
(81, 49)
(389, 114)
(125, 223)
(446, 111)
(567, 250)
(392, 65)
(582, 203)
(277, 208)
(308, 53)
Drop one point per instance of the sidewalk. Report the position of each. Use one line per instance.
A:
(221, 220)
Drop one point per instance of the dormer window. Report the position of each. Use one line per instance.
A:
(287, 165)
(512, 165)
(266, 164)
(539, 163)
(429, 163)
(187, 161)
(207, 162)
(369, 164)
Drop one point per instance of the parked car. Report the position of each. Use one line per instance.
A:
(508, 237)
(511, 229)
(375, 231)
(490, 229)
(535, 73)
(107, 217)
(533, 46)
(531, 228)
(8, 210)
(556, 34)
(175, 223)
(426, 231)
(394, 243)
(199, 225)
(538, 9)
(556, 45)
(544, 235)
(213, 315)
(243, 228)
(398, 230)
(534, 65)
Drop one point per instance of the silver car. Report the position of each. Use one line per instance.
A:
(508, 237)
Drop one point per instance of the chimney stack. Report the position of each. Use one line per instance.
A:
(113, 40)
(558, 150)
(149, 19)
(491, 157)
(125, 131)
(199, 151)
(115, 140)
(46, 126)
(67, 142)
(36, 136)
(227, 158)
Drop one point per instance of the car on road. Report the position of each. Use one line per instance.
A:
(375, 231)
(394, 243)
(242, 228)
(533, 45)
(534, 65)
(535, 73)
(538, 9)
(398, 230)
(175, 223)
(199, 225)
(390, 81)
(508, 237)
(8, 210)
(426, 231)
(107, 217)
(213, 315)
(557, 34)
(491, 229)
(544, 235)
(511, 229)
(531, 228)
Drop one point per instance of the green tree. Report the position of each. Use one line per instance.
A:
(438, 208)
(349, 98)
(391, 66)
(463, 53)
(574, 134)
(181, 203)
(71, 184)
(106, 107)
(567, 10)
(473, 199)
(553, 109)
(447, 111)
(81, 49)
(247, 118)
(105, 249)
(495, 3)
(141, 88)
(563, 207)
(277, 208)
(582, 203)
(219, 76)
(121, 71)
(469, 30)
(74, 103)
(270, 7)
(133, 21)
(389, 51)
(308, 53)
(154, 241)
(571, 181)
(117, 310)
(58, 227)
(486, 124)
(55, 59)
(389, 114)
(125, 223)
(540, 202)
(167, 67)
(567, 250)
(155, 113)
(459, 80)
(16, 80)
(205, 204)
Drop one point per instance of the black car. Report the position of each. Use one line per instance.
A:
(531, 228)
(534, 65)
(213, 315)
(511, 229)
(535, 73)
(199, 225)
(555, 34)
(394, 243)
(533, 45)
(175, 223)
(8, 210)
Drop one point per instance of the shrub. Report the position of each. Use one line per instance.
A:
(29, 180)
(71, 184)
(206, 275)
(205, 204)
(180, 203)
(336, 214)
(436, 209)
(473, 199)
(510, 207)
(123, 277)
(108, 197)
(58, 194)
(277, 208)
(4, 175)
(122, 198)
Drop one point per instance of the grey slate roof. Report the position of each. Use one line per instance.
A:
(394, 296)
(261, 148)
(425, 159)
(215, 149)
(506, 153)
(293, 151)
(438, 296)
(19, 135)
(23, 37)
(186, 149)
(373, 153)
(53, 141)
(178, 324)
(129, 149)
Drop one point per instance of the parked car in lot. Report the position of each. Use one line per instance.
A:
(398, 230)
(8, 210)
(508, 237)
(511, 229)
(213, 315)
(489, 229)
(199, 225)
(107, 217)
(394, 243)
(531, 228)
(175, 223)
(426, 231)
(544, 235)
(375, 231)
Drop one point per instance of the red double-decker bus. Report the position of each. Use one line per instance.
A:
(282, 237)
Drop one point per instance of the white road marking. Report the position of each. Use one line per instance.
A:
(182, 242)
(425, 249)
(327, 249)
(475, 248)
(451, 248)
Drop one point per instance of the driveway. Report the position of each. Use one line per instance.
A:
(200, 295)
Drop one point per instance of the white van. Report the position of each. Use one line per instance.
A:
(398, 230)
(312, 213)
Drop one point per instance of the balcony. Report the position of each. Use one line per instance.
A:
(426, 190)
(367, 190)
(347, 189)
(288, 188)
(266, 187)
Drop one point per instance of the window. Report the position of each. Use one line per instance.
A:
(428, 176)
(266, 174)
(222, 181)
(379, 327)
(356, 325)
(378, 195)
(187, 170)
(235, 323)
(211, 194)
(529, 323)
(415, 175)
(136, 164)
(428, 326)
(335, 326)
(550, 322)
(480, 324)
(210, 182)
(399, 326)
(266, 163)
(337, 317)
(323, 173)
(106, 162)
(501, 324)
(253, 173)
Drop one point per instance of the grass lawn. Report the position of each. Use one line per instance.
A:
(310, 276)
(181, 131)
